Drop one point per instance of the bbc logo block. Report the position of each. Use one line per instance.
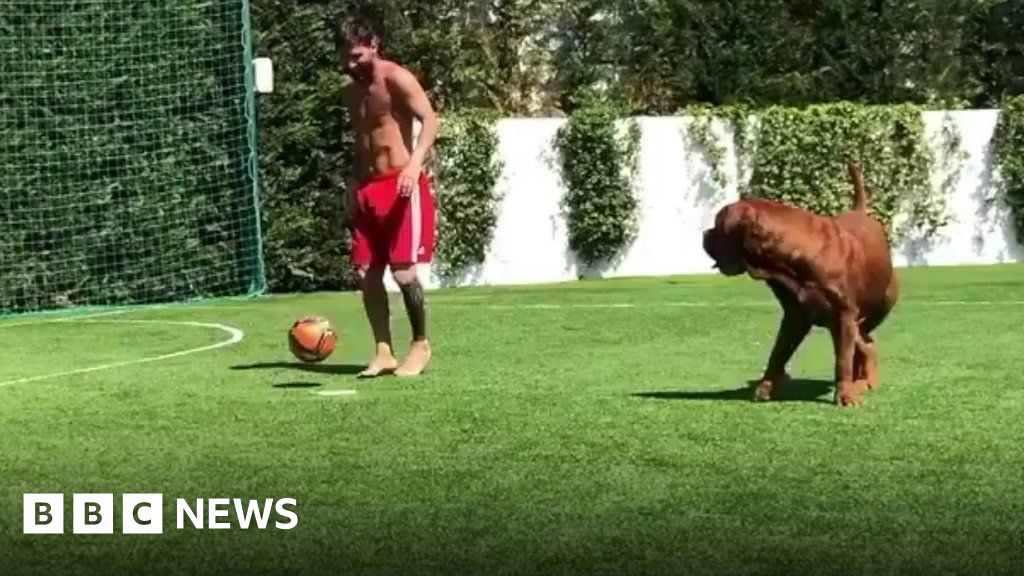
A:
(144, 513)
(44, 513)
(91, 514)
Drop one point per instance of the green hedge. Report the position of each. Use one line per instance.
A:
(124, 154)
(1009, 148)
(305, 149)
(161, 209)
(598, 153)
(655, 58)
(659, 55)
(467, 171)
(799, 155)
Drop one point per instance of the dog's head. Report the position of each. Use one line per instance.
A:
(724, 242)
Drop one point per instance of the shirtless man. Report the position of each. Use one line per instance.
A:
(390, 204)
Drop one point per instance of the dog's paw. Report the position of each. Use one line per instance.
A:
(764, 390)
(864, 384)
(768, 388)
(848, 395)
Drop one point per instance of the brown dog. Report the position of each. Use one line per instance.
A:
(832, 272)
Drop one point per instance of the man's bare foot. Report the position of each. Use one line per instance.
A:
(384, 363)
(419, 356)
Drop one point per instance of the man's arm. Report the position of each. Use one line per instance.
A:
(358, 168)
(413, 98)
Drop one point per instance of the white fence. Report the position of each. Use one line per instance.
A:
(677, 201)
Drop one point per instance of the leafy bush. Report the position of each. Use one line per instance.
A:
(799, 155)
(468, 168)
(1009, 147)
(598, 160)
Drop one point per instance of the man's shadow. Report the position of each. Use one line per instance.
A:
(795, 390)
(298, 385)
(331, 369)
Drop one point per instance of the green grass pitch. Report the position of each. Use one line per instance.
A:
(598, 427)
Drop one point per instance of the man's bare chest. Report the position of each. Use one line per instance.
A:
(372, 104)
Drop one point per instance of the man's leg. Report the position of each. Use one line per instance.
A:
(413, 243)
(415, 307)
(369, 256)
(375, 303)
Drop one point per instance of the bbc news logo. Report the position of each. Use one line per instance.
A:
(144, 513)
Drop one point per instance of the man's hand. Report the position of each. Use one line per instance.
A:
(410, 94)
(409, 179)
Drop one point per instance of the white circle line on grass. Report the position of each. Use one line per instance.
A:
(236, 336)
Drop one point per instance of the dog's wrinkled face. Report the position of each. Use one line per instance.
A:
(724, 242)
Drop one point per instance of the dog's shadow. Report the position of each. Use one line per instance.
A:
(795, 390)
(333, 369)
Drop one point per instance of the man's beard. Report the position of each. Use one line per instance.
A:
(360, 74)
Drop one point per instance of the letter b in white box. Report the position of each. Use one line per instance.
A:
(43, 513)
(92, 513)
(142, 514)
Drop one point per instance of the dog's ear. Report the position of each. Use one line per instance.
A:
(735, 218)
(743, 222)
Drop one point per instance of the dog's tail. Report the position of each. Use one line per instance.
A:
(861, 195)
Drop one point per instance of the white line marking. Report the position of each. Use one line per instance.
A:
(335, 392)
(416, 214)
(476, 302)
(723, 304)
(236, 337)
(61, 319)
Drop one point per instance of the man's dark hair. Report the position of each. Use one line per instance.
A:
(356, 29)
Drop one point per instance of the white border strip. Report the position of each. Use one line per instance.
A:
(723, 304)
(14, 324)
(236, 336)
(474, 301)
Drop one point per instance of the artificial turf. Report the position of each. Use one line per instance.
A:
(597, 427)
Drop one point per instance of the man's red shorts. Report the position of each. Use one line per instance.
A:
(390, 228)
